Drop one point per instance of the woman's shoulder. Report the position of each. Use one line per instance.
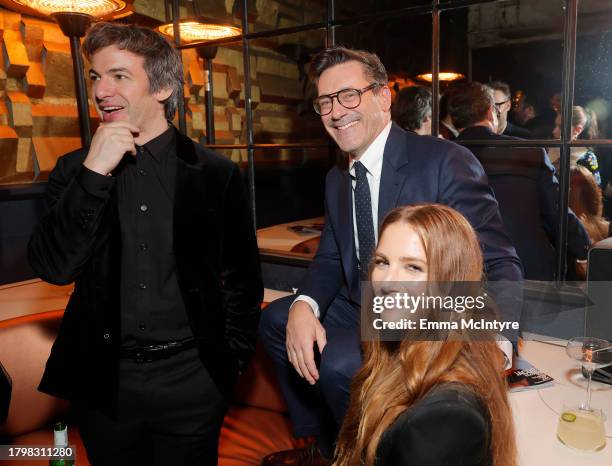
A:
(449, 425)
(452, 399)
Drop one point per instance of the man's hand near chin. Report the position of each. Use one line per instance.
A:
(108, 145)
(303, 330)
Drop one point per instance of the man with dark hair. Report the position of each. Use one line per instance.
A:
(388, 167)
(534, 113)
(503, 102)
(156, 233)
(524, 183)
(411, 110)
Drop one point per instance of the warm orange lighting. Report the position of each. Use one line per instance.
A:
(192, 31)
(446, 76)
(94, 8)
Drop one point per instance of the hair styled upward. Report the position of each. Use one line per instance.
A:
(373, 68)
(397, 374)
(162, 63)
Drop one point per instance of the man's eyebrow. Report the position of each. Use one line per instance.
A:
(112, 70)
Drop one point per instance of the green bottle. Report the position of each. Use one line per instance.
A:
(60, 441)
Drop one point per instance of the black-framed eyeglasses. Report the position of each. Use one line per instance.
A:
(499, 104)
(348, 98)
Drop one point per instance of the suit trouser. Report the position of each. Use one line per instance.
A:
(169, 412)
(316, 410)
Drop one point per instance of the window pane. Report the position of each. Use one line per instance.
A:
(228, 95)
(593, 89)
(522, 47)
(265, 15)
(283, 110)
(403, 44)
(290, 188)
(345, 9)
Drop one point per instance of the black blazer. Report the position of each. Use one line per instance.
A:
(78, 239)
(525, 185)
(448, 427)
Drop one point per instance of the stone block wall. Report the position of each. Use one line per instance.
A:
(38, 114)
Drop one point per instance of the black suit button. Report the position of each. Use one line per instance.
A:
(144, 207)
(106, 336)
(142, 172)
(142, 326)
(143, 247)
(142, 286)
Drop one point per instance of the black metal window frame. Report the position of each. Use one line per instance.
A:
(435, 8)
(330, 24)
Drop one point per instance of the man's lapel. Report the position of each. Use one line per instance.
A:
(391, 179)
(189, 205)
(346, 231)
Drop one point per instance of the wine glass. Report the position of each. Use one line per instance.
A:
(592, 353)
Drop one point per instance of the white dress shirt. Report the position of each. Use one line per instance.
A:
(372, 160)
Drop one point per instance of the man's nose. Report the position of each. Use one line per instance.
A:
(338, 111)
(102, 88)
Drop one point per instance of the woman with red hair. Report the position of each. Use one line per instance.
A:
(436, 402)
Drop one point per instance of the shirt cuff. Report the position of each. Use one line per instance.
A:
(95, 183)
(506, 347)
(313, 304)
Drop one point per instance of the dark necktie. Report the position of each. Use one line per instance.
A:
(363, 214)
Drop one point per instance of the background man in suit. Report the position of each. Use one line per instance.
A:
(388, 167)
(524, 183)
(411, 109)
(503, 102)
(155, 231)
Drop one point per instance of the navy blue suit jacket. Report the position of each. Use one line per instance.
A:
(416, 169)
(525, 185)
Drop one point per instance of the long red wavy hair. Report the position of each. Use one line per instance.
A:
(395, 375)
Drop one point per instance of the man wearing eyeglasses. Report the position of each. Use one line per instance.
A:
(524, 183)
(314, 338)
(503, 103)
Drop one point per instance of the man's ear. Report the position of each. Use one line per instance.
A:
(384, 96)
(491, 114)
(163, 94)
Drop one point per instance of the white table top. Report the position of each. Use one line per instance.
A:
(536, 412)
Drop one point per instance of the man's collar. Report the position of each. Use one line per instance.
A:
(372, 157)
(451, 128)
(479, 129)
(159, 146)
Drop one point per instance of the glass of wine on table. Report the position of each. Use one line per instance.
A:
(581, 426)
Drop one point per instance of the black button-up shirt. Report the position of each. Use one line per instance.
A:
(152, 309)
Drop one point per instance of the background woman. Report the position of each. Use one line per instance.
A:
(428, 402)
(586, 200)
(584, 126)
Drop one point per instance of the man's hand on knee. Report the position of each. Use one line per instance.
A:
(303, 330)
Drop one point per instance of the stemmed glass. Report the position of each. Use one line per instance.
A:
(581, 427)
(592, 353)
